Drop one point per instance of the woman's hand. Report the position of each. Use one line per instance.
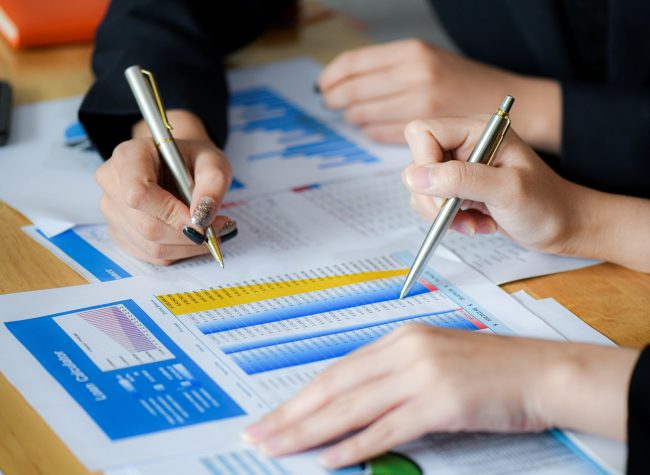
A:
(144, 215)
(421, 379)
(383, 87)
(518, 193)
(522, 196)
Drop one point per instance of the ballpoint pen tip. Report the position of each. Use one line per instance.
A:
(213, 245)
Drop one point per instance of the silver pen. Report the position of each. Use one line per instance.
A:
(145, 91)
(484, 152)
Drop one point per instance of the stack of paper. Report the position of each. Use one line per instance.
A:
(161, 367)
(167, 367)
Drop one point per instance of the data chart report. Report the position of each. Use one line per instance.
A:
(282, 331)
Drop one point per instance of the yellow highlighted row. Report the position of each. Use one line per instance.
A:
(197, 301)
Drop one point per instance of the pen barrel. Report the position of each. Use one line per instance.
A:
(439, 227)
(172, 156)
(162, 137)
(147, 105)
(490, 139)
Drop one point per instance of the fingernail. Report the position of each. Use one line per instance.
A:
(467, 229)
(438, 202)
(254, 433)
(488, 228)
(228, 231)
(274, 446)
(193, 235)
(204, 212)
(419, 178)
(317, 88)
(333, 457)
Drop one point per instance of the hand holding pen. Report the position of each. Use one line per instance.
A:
(144, 215)
(483, 153)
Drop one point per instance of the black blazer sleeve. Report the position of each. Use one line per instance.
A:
(184, 42)
(606, 137)
(606, 115)
(638, 438)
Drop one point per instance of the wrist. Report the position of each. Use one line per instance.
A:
(538, 115)
(185, 125)
(584, 387)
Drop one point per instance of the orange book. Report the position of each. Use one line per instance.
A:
(27, 23)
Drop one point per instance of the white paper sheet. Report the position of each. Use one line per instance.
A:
(501, 260)
(80, 342)
(135, 384)
(562, 320)
(51, 184)
(351, 214)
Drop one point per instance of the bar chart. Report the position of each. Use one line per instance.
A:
(323, 313)
(261, 110)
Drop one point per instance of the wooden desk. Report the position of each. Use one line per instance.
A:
(613, 300)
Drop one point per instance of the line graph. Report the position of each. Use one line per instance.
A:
(113, 338)
(116, 325)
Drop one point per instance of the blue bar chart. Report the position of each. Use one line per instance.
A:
(261, 110)
(335, 343)
(347, 297)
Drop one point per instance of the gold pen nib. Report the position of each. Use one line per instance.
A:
(213, 245)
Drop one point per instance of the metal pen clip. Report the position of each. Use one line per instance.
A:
(153, 87)
(493, 152)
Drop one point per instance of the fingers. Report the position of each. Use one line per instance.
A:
(146, 238)
(340, 378)
(350, 411)
(401, 107)
(149, 198)
(130, 179)
(357, 62)
(428, 140)
(398, 426)
(389, 132)
(469, 222)
(148, 220)
(367, 87)
(472, 181)
(212, 175)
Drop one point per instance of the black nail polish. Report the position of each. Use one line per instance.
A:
(193, 235)
(229, 236)
(317, 88)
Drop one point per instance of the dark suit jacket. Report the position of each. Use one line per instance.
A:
(606, 123)
(638, 433)
(606, 119)
(185, 42)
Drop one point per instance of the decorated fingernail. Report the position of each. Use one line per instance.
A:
(228, 231)
(317, 88)
(419, 178)
(204, 212)
(193, 235)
